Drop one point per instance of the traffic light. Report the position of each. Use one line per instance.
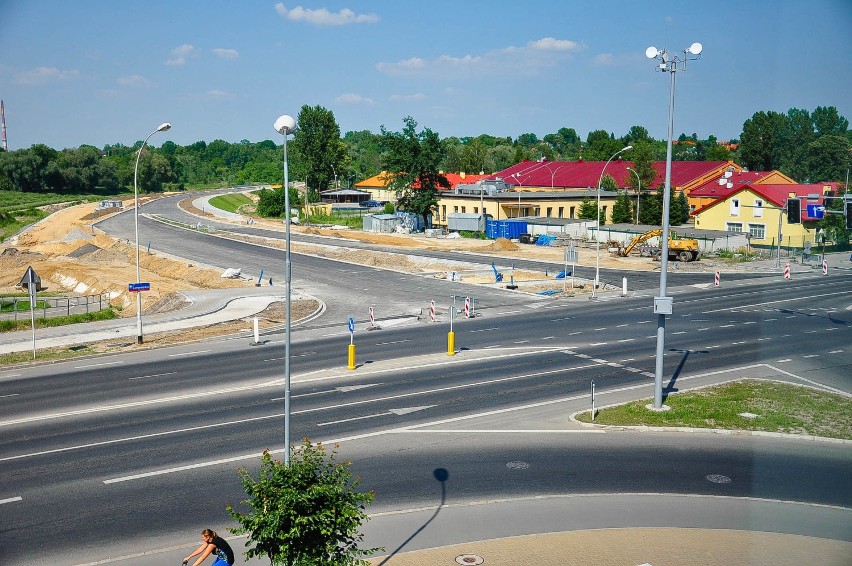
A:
(849, 214)
(794, 211)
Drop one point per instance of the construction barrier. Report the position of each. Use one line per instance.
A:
(825, 267)
(716, 280)
(432, 311)
(786, 271)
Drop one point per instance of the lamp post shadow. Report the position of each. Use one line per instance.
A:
(441, 475)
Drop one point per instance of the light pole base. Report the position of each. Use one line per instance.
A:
(660, 409)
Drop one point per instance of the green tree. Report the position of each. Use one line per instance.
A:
(765, 140)
(651, 209)
(307, 513)
(622, 210)
(828, 122)
(827, 158)
(589, 210)
(412, 160)
(319, 147)
(801, 136)
(678, 209)
(271, 203)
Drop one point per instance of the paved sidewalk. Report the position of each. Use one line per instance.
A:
(207, 307)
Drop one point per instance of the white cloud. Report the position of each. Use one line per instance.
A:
(216, 94)
(553, 44)
(44, 75)
(226, 53)
(352, 98)
(180, 54)
(322, 17)
(604, 59)
(135, 81)
(407, 97)
(527, 60)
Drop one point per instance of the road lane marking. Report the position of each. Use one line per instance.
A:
(598, 344)
(397, 412)
(10, 395)
(153, 375)
(627, 340)
(10, 500)
(99, 365)
(484, 329)
(784, 361)
(681, 332)
(836, 352)
(394, 342)
(811, 356)
(189, 353)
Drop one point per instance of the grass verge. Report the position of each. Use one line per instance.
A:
(24, 322)
(778, 407)
(230, 202)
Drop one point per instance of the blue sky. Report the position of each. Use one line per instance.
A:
(97, 72)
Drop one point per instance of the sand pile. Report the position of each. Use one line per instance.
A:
(499, 245)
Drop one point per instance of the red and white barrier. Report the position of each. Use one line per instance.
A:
(786, 271)
(716, 279)
(372, 319)
(825, 267)
(467, 307)
(432, 311)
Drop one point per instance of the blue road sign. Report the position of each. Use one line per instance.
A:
(351, 324)
(136, 287)
(816, 210)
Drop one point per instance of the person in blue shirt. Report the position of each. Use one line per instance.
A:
(215, 546)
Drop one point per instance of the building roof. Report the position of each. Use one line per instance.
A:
(586, 174)
(727, 184)
(383, 179)
(777, 195)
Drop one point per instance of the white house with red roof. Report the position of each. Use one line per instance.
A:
(731, 181)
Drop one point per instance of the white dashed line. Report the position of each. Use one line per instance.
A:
(98, 365)
(189, 353)
(10, 500)
(784, 361)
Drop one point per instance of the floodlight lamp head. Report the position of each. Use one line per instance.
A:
(696, 48)
(628, 148)
(651, 52)
(285, 124)
(164, 127)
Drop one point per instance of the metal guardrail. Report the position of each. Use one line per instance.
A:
(13, 308)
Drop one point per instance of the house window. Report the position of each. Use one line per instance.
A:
(464, 209)
(570, 213)
(476, 210)
(549, 211)
(735, 207)
(444, 212)
(456, 209)
(758, 209)
(757, 231)
(561, 212)
(734, 226)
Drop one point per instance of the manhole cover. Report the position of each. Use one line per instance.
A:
(469, 559)
(717, 478)
(517, 465)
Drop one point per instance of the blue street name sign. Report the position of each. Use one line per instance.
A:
(136, 287)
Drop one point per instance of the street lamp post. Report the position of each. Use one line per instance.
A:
(598, 228)
(638, 192)
(285, 125)
(335, 177)
(164, 127)
(663, 304)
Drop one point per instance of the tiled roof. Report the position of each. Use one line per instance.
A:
(722, 186)
(585, 174)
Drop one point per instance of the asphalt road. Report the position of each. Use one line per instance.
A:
(121, 452)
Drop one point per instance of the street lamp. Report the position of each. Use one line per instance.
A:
(285, 125)
(335, 177)
(164, 127)
(638, 192)
(598, 228)
(662, 304)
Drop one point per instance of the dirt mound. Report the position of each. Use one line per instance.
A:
(500, 244)
(76, 234)
(312, 231)
(167, 303)
(85, 249)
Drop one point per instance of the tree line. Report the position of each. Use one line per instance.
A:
(807, 146)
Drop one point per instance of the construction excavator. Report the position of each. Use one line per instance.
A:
(683, 249)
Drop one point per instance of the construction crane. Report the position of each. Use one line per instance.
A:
(683, 249)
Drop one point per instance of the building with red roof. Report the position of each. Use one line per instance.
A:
(731, 181)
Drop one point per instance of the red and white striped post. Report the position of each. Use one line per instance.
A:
(825, 267)
(372, 319)
(467, 307)
(786, 271)
(716, 279)
(432, 311)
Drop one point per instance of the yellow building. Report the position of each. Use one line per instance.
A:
(760, 210)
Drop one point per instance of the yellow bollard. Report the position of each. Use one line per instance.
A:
(451, 343)
(351, 356)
